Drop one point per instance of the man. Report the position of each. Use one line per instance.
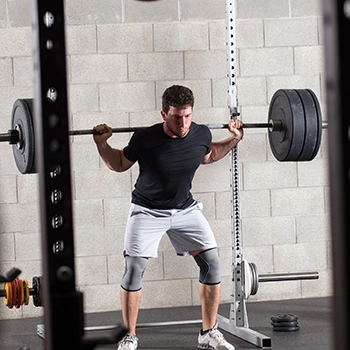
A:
(168, 154)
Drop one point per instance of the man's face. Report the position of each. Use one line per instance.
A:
(177, 121)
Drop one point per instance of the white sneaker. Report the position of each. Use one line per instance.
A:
(129, 342)
(213, 340)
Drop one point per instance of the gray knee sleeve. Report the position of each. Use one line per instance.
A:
(134, 270)
(209, 265)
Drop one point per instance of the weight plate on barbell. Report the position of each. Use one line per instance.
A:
(38, 291)
(22, 121)
(286, 106)
(313, 125)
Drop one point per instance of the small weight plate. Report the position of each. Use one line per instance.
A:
(22, 121)
(313, 125)
(26, 292)
(255, 279)
(286, 106)
(286, 329)
(284, 318)
(19, 289)
(38, 292)
(285, 324)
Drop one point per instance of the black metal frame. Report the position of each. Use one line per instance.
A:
(337, 69)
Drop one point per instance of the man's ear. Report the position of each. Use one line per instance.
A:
(163, 114)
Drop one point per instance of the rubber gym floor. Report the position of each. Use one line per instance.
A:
(314, 317)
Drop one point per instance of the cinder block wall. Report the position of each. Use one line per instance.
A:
(121, 56)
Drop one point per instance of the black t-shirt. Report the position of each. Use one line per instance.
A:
(167, 165)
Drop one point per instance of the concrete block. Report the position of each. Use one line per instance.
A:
(201, 89)
(219, 92)
(83, 98)
(23, 74)
(309, 60)
(266, 175)
(103, 297)
(305, 81)
(192, 10)
(91, 270)
(217, 35)
(300, 257)
(7, 162)
(212, 178)
(103, 66)
(88, 213)
(249, 33)
(262, 9)
(103, 12)
(98, 185)
(323, 286)
(223, 205)
(300, 8)
(155, 270)
(115, 268)
(8, 193)
(127, 97)
(291, 32)
(16, 42)
(156, 11)
(313, 173)
(81, 40)
(268, 231)
(165, 245)
(116, 210)
(267, 61)
(29, 212)
(155, 66)
(83, 157)
(6, 74)
(254, 114)
(28, 246)
(9, 95)
(255, 203)
(252, 91)
(181, 36)
(313, 228)
(208, 200)
(225, 255)
(204, 64)
(261, 256)
(297, 201)
(145, 119)
(3, 14)
(222, 230)
(176, 267)
(254, 147)
(7, 250)
(19, 13)
(169, 293)
(125, 38)
(28, 188)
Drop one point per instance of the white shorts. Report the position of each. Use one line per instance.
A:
(188, 230)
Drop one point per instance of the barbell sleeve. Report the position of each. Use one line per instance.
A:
(276, 277)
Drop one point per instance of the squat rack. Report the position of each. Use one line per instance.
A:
(63, 303)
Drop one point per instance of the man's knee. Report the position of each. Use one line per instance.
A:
(209, 265)
(134, 270)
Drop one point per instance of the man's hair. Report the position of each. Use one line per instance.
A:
(177, 96)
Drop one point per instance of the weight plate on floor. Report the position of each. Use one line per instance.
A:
(313, 125)
(286, 329)
(285, 324)
(22, 121)
(287, 144)
(284, 318)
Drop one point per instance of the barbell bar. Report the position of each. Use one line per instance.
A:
(294, 128)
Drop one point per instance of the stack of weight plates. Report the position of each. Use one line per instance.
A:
(285, 323)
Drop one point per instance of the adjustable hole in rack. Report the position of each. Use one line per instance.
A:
(56, 171)
(58, 247)
(52, 94)
(57, 221)
(49, 19)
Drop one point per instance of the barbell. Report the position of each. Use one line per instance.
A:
(294, 128)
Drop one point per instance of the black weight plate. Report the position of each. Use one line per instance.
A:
(38, 291)
(286, 329)
(22, 121)
(319, 119)
(285, 324)
(313, 125)
(284, 318)
(286, 145)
